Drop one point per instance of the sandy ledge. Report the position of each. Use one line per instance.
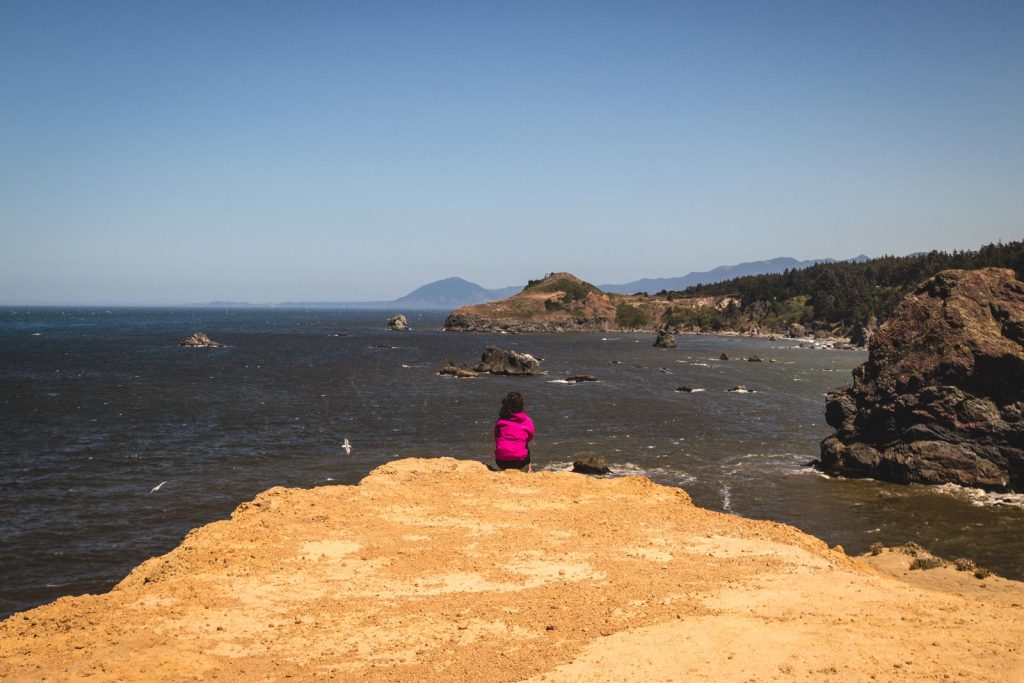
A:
(437, 569)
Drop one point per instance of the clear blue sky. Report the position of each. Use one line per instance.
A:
(167, 152)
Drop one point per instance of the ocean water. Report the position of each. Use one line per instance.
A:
(98, 407)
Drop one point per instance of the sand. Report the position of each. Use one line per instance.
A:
(438, 569)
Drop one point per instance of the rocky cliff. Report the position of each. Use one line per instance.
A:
(941, 397)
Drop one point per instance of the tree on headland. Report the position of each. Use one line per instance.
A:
(838, 296)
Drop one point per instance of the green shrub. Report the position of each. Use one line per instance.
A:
(962, 564)
(574, 290)
(927, 563)
(627, 316)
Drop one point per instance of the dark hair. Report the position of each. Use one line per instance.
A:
(511, 404)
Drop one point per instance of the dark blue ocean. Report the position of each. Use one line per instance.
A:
(99, 406)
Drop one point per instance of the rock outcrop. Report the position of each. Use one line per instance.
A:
(398, 322)
(500, 362)
(665, 340)
(861, 334)
(594, 465)
(200, 339)
(941, 397)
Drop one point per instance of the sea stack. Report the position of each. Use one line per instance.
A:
(398, 322)
(941, 396)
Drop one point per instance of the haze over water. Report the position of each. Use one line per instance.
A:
(100, 406)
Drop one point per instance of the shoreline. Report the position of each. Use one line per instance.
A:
(836, 343)
(433, 569)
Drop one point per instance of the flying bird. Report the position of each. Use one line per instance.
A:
(346, 446)
(157, 487)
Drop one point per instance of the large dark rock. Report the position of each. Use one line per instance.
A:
(594, 465)
(665, 340)
(861, 334)
(941, 396)
(499, 362)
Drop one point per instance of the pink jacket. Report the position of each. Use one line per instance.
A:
(512, 436)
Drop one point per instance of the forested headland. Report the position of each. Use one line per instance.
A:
(836, 297)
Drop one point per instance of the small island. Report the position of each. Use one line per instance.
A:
(200, 340)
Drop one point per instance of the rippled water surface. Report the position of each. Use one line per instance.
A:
(98, 407)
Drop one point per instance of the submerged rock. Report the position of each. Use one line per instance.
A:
(200, 339)
(724, 356)
(593, 465)
(450, 368)
(581, 378)
(941, 396)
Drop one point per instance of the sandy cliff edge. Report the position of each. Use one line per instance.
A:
(438, 569)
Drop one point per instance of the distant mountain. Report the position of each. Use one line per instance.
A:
(719, 274)
(447, 294)
(450, 293)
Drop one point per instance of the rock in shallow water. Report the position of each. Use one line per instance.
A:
(499, 362)
(665, 340)
(454, 370)
(593, 465)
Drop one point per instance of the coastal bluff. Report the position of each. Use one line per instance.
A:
(439, 569)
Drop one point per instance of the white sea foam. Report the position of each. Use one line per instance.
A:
(560, 381)
(665, 475)
(981, 498)
(726, 497)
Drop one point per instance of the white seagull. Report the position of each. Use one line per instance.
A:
(157, 487)
(346, 446)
